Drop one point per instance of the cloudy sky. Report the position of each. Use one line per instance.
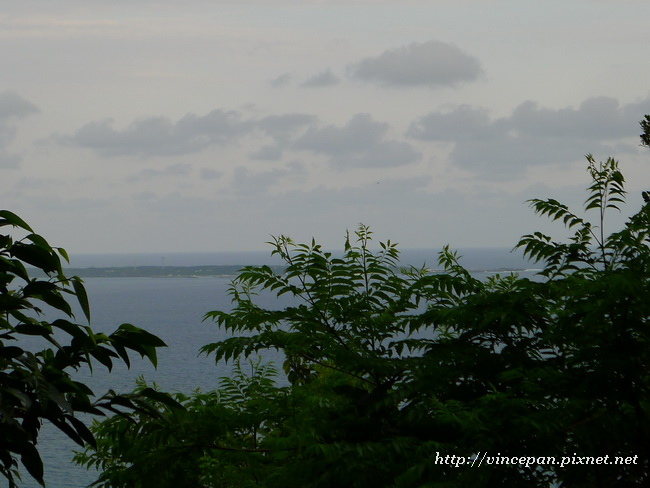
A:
(161, 126)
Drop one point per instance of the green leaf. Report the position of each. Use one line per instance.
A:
(49, 293)
(39, 241)
(34, 329)
(82, 297)
(161, 397)
(77, 331)
(36, 256)
(10, 218)
(83, 431)
(31, 459)
(63, 253)
(140, 335)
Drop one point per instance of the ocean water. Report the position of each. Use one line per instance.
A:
(173, 309)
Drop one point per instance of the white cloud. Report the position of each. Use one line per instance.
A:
(432, 63)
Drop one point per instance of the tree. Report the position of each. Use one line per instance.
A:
(645, 125)
(38, 385)
(406, 378)
(213, 439)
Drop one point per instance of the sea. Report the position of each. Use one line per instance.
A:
(173, 308)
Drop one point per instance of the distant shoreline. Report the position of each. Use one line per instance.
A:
(158, 271)
(207, 271)
(188, 265)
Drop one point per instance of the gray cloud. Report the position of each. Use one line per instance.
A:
(210, 174)
(432, 63)
(462, 123)
(595, 119)
(255, 183)
(269, 152)
(179, 169)
(282, 129)
(324, 78)
(12, 106)
(54, 204)
(158, 136)
(508, 157)
(281, 80)
(504, 148)
(358, 134)
(174, 203)
(34, 183)
(8, 160)
(385, 154)
(361, 143)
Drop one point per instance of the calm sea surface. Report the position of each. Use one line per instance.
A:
(173, 309)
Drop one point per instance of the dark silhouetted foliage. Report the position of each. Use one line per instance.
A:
(37, 385)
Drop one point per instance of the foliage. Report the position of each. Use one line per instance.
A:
(38, 385)
(645, 125)
(206, 439)
(588, 246)
(390, 370)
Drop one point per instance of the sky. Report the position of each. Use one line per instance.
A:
(200, 126)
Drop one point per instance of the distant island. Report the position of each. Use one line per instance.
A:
(218, 270)
(159, 271)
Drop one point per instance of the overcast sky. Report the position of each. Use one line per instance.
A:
(161, 126)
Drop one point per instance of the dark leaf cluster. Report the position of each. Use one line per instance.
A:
(36, 383)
